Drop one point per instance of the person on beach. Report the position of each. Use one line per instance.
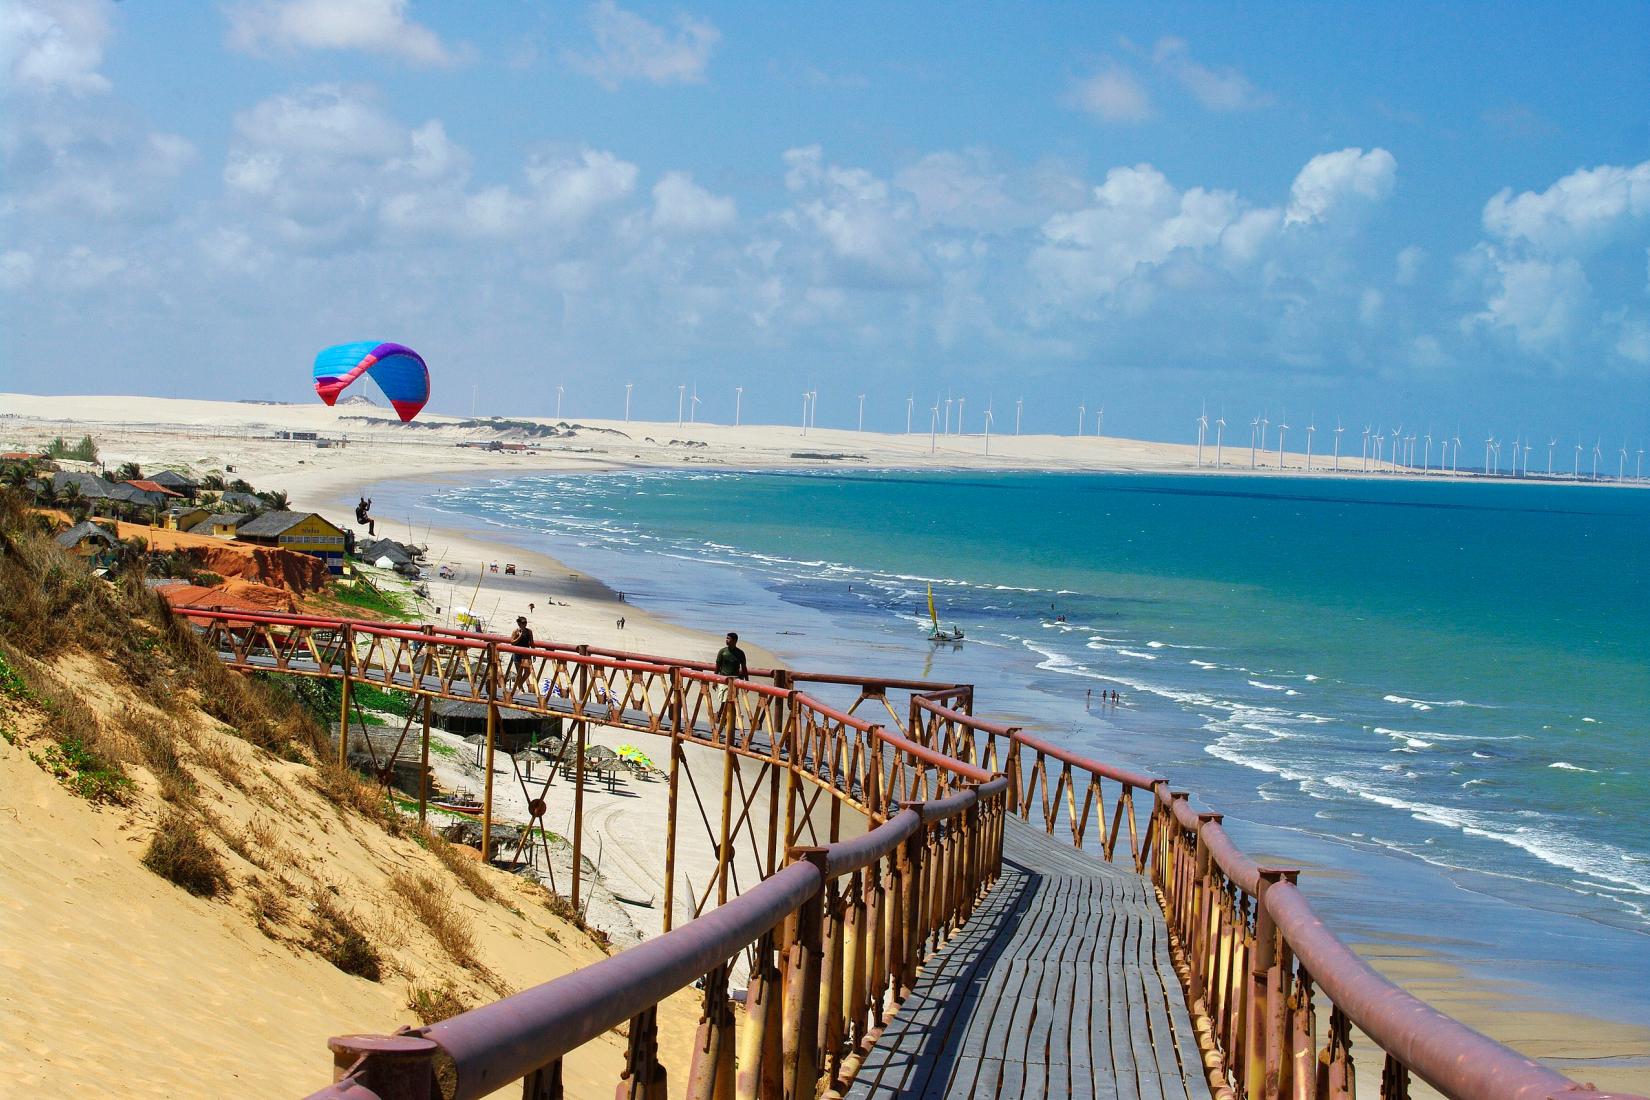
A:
(361, 516)
(730, 661)
(520, 662)
(621, 622)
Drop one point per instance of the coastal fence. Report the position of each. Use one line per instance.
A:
(1277, 1000)
(1282, 1007)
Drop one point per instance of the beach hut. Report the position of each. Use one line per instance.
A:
(305, 532)
(176, 482)
(182, 517)
(88, 540)
(517, 729)
(221, 525)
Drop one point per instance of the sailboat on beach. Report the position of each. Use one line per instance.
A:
(935, 633)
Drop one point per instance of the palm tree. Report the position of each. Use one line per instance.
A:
(128, 471)
(276, 499)
(212, 481)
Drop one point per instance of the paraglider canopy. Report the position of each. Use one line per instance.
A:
(399, 372)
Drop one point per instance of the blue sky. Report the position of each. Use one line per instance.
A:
(1420, 214)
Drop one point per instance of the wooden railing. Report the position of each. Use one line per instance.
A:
(1277, 999)
(837, 933)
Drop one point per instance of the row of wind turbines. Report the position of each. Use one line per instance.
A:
(1393, 452)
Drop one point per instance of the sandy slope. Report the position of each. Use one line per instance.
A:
(115, 980)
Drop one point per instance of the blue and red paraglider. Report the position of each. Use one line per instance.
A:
(399, 371)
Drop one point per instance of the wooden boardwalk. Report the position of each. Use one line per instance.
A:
(1061, 985)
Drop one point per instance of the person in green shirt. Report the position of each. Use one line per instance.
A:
(730, 661)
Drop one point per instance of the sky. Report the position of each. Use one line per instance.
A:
(1401, 214)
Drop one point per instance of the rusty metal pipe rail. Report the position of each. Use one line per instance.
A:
(1448, 1055)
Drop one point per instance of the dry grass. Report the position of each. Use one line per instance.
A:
(345, 789)
(464, 868)
(434, 1005)
(270, 908)
(179, 853)
(336, 937)
(436, 910)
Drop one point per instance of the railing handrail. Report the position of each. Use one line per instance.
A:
(495, 1044)
(1128, 778)
(1447, 1054)
(1459, 1061)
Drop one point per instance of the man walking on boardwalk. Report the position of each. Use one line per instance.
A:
(730, 661)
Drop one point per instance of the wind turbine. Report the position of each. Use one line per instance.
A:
(1264, 424)
(693, 405)
(738, 399)
(1526, 459)
(558, 402)
(933, 427)
(1310, 428)
(1366, 447)
(1595, 459)
(1575, 471)
(1019, 407)
(1551, 443)
(1488, 444)
(947, 416)
(1426, 462)
(1638, 468)
(1283, 431)
(988, 431)
(1082, 415)
(1396, 432)
(960, 429)
(805, 399)
(1621, 466)
(681, 396)
(862, 412)
(1202, 429)
(910, 402)
(1254, 426)
(1220, 430)
(1380, 439)
(813, 408)
(1100, 421)
(1338, 431)
(1455, 458)
(627, 386)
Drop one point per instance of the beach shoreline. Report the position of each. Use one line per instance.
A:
(1609, 1053)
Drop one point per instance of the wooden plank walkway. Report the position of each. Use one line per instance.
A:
(1061, 985)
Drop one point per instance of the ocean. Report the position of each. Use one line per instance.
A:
(1433, 696)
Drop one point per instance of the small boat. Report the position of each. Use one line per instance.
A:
(470, 807)
(936, 633)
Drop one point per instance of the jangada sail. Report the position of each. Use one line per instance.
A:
(935, 633)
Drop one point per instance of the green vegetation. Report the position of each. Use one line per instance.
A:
(441, 748)
(84, 771)
(12, 685)
(84, 451)
(364, 594)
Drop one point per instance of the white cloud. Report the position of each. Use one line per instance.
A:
(870, 231)
(16, 269)
(1137, 221)
(1112, 93)
(1218, 89)
(629, 47)
(967, 190)
(682, 206)
(372, 26)
(1539, 302)
(1586, 209)
(569, 189)
(1408, 265)
(1331, 181)
(1632, 337)
(325, 120)
(48, 45)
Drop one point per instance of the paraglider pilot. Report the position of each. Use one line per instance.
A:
(361, 515)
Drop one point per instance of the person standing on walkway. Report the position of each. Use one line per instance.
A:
(730, 661)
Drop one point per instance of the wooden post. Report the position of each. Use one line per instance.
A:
(343, 705)
(724, 850)
(492, 738)
(424, 763)
(583, 732)
(675, 788)
(802, 981)
(711, 1075)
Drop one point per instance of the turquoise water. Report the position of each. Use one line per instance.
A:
(1446, 683)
